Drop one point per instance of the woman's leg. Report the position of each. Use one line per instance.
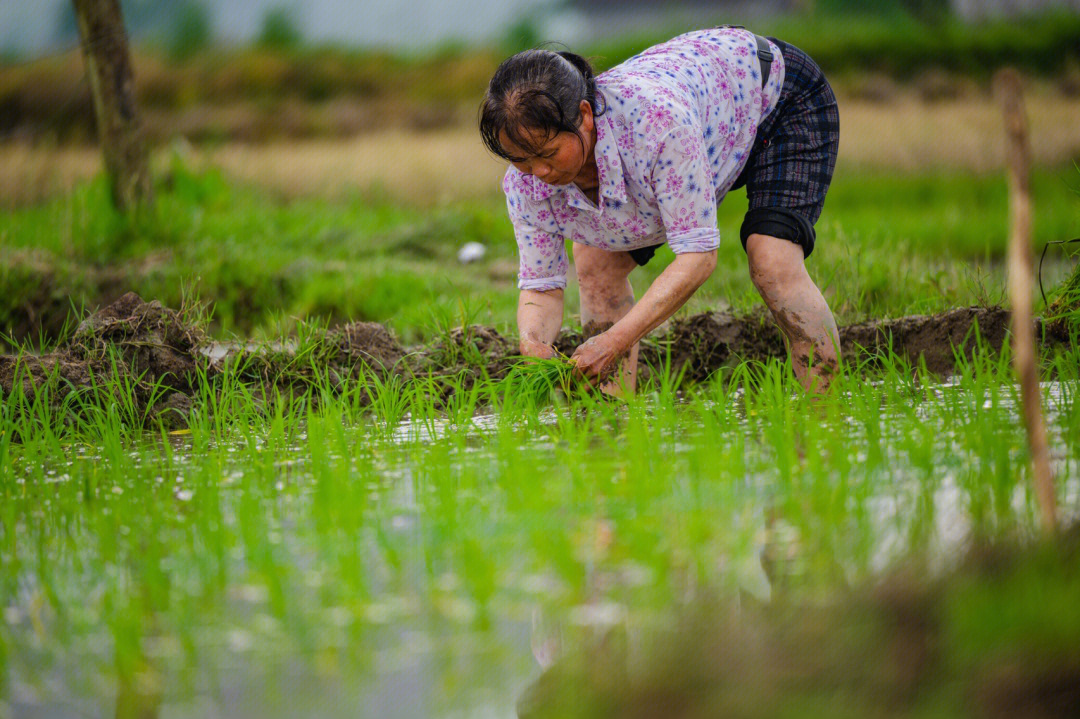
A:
(778, 272)
(606, 296)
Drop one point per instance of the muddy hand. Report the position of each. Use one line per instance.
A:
(597, 359)
(540, 350)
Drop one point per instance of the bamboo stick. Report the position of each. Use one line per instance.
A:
(1025, 353)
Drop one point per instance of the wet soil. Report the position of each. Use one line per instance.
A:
(934, 339)
(160, 354)
(701, 344)
(147, 351)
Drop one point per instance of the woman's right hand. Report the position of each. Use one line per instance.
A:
(534, 348)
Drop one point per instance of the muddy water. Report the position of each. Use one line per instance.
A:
(445, 566)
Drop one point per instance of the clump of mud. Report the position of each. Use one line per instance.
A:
(702, 344)
(142, 350)
(906, 646)
(367, 343)
(147, 338)
(346, 353)
(460, 358)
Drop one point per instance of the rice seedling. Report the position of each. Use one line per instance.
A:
(535, 382)
(293, 526)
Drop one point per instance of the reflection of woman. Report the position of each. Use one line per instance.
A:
(640, 155)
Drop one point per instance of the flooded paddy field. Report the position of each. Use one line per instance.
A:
(409, 551)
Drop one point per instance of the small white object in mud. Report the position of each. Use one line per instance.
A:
(471, 252)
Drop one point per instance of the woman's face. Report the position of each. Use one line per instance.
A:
(557, 159)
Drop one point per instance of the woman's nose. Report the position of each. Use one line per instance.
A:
(541, 170)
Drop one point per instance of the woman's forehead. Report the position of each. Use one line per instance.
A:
(525, 141)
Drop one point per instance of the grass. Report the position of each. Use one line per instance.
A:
(1063, 309)
(888, 245)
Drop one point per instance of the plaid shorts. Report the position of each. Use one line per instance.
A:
(791, 164)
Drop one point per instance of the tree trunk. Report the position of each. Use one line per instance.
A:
(108, 66)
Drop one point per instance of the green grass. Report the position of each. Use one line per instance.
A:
(888, 245)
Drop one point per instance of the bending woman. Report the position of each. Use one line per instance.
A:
(640, 155)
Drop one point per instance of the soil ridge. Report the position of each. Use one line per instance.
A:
(161, 357)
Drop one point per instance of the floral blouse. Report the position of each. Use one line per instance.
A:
(679, 123)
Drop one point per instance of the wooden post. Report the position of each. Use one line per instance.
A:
(1025, 354)
(108, 66)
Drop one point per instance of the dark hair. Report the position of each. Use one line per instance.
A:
(538, 90)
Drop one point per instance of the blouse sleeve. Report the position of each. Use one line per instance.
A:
(542, 261)
(684, 191)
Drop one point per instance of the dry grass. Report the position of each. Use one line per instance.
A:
(31, 174)
(432, 167)
(424, 168)
(962, 134)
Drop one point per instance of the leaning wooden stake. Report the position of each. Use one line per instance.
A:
(108, 66)
(1025, 354)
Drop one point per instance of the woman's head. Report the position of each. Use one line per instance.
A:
(538, 113)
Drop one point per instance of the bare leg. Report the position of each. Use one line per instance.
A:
(606, 296)
(778, 272)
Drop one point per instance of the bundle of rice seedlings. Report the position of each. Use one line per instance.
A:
(535, 382)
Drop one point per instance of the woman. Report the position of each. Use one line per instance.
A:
(641, 155)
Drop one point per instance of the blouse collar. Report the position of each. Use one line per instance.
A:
(608, 166)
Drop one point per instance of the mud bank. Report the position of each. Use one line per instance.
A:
(148, 351)
(702, 344)
(159, 359)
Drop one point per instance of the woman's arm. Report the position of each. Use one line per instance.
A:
(539, 319)
(599, 356)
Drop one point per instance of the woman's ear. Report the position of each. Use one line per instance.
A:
(588, 123)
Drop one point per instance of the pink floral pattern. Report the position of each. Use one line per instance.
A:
(680, 123)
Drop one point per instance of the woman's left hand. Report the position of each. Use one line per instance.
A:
(597, 359)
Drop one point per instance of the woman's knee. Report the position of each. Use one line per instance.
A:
(774, 263)
(593, 264)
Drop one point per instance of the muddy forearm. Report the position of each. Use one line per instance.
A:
(539, 319)
(668, 293)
